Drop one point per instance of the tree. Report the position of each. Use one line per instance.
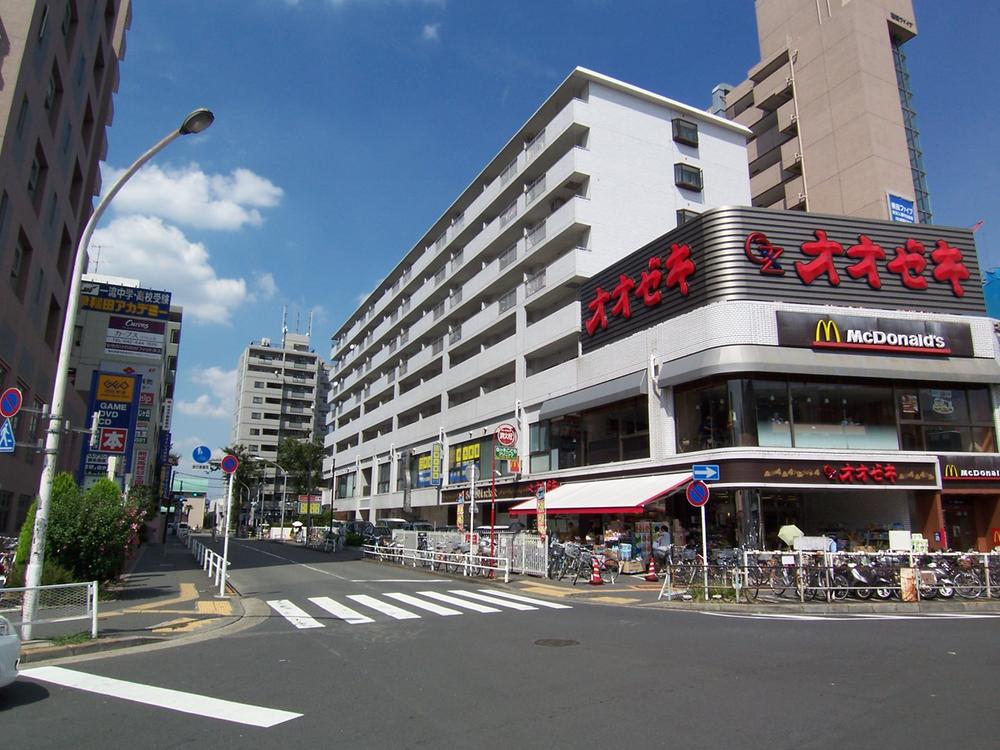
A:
(249, 473)
(303, 460)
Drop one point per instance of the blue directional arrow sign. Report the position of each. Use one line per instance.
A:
(7, 443)
(706, 472)
(201, 454)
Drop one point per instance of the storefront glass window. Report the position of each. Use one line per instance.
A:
(980, 406)
(943, 405)
(617, 432)
(838, 415)
(774, 428)
(345, 486)
(703, 418)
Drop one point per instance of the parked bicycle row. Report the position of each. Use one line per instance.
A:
(830, 576)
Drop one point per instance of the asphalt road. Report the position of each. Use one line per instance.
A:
(585, 676)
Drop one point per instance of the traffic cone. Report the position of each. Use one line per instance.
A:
(595, 573)
(651, 572)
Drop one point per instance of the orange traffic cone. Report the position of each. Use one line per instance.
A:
(651, 572)
(595, 573)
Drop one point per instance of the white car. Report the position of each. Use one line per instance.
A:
(10, 652)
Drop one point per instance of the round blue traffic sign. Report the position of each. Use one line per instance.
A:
(229, 463)
(10, 402)
(697, 493)
(201, 454)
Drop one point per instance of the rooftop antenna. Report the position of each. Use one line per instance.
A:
(284, 324)
(309, 333)
(297, 327)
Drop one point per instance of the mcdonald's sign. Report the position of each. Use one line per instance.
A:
(970, 468)
(827, 330)
(862, 334)
(994, 538)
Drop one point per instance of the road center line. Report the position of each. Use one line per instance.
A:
(174, 700)
(286, 559)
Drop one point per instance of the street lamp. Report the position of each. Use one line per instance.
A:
(284, 489)
(195, 122)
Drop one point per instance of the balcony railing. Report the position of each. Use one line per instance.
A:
(536, 234)
(534, 283)
(508, 214)
(536, 188)
(508, 172)
(535, 145)
(508, 301)
(508, 256)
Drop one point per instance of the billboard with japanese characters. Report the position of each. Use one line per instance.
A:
(791, 256)
(125, 300)
(114, 397)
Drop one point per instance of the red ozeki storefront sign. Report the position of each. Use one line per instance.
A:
(916, 264)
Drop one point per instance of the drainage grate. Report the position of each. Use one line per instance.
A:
(556, 642)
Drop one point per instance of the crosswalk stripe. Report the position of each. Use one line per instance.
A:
(458, 602)
(293, 614)
(526, 599)
(494, 600)
(383, 607)
(348, 615)
(421, 604)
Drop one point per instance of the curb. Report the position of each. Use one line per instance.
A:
(43, 652)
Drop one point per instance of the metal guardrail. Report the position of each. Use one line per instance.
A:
(468, 563)
(210, 561)
(62, 602)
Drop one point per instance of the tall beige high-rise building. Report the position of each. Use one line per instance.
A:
(830, 108)
(58, 73)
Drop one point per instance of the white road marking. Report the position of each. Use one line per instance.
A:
(174, 700)
(398, 580)
(493, 600)
(383, 607)
(526, 599)
(286, 559)
(293, 614)
(348, 615)
(855, 616)
(458, 602)
(421, 604)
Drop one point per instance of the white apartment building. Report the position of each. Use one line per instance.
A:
(479, 323)
(281, 393)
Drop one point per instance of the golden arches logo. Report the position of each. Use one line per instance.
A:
(950, 470)
(829, 330)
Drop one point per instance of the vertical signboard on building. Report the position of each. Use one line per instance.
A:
(115, 398)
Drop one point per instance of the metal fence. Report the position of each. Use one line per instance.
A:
(775, 576)
(62, 602)
(210, 561)
(527, 552)
(467, 562)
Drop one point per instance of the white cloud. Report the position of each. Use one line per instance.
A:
(431, 32)
(191, 197)
(145, 248)
(218, 402)
(264, 287)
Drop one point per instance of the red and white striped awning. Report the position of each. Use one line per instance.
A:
(622, 495)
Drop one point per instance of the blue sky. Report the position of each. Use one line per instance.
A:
(344, 128)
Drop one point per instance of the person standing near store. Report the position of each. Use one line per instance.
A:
(661, 545)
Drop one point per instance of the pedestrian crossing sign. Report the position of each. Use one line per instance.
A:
(7, 443)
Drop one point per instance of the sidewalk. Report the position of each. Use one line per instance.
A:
(165, 594)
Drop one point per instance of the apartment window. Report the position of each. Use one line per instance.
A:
(175, 335)
(44, 23)
(69, 21)
(383, 478)
(53, 95)
(4, 206)
(254, 430)
(22, 117)
(507, 301)
(36, 177)
(684, 216)
(687, 177)
(20, 267)
(52, 322)
(685, 132)
(438, 346)
(438, 310)
(508, 256)
(255, 415)
(258, 384)
(440, 275)
(455, 334)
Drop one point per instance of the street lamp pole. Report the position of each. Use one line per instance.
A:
(195, 122)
